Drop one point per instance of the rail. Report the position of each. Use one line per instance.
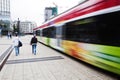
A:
(4, 56)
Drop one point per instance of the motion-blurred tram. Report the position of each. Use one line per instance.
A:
(90, 31)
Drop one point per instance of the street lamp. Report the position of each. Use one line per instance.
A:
(18, 25)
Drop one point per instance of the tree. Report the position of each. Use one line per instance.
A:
(15, 28)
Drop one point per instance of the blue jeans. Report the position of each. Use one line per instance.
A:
(16, 50)
(34, 49)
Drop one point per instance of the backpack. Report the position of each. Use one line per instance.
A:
(20, 44)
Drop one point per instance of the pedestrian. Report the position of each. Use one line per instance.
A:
(16, 33)
(33, 42)
(15, 43)
(8, 35)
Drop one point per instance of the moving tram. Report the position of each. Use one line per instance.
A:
(90, 32)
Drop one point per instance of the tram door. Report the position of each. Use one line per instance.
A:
(59, 35)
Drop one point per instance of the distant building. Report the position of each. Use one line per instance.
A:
(26, 26)
(5, 14)
(50, 12)
(5, 8)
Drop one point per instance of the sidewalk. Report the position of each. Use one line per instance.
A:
(5, 43)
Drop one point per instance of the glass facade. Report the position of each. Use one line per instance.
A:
(4, 7)
(50, 12)
(5, 15)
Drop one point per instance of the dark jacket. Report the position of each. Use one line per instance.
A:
(33, 40)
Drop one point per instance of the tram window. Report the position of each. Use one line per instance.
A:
(52, 32)
(44, 33)
(38, 32)
(109, 32)
(81, 31)
(102, 29)
(49, 32)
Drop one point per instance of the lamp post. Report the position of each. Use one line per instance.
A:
(0, 31)
(18, 26)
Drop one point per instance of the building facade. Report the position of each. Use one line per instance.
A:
(50, 12)
(25, 26)
(5, 15)
(5, 8)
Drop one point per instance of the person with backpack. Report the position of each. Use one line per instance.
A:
(33, 42)
(16, 43)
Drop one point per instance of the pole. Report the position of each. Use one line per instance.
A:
(18, 26)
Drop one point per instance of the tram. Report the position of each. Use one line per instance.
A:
(90, 32)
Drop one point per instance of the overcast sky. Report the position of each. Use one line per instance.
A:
(33, 10)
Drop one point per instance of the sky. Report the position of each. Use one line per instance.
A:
(33, 10)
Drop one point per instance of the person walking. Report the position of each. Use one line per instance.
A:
(33, 42)
(16, 43)
(8, 35)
